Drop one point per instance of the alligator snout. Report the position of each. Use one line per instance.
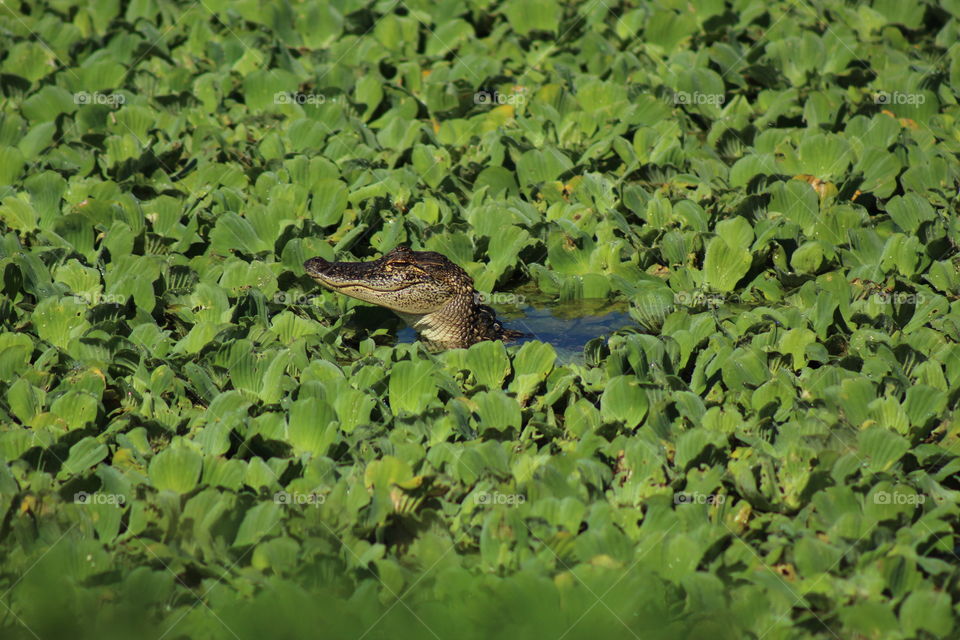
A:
(316, 266)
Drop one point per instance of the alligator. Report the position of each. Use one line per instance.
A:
(432, 294)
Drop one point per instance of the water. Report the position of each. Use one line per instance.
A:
(568, 325)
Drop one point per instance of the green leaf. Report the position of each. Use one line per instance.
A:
(411, 387)
(498, 180)
(923, 403)
(690, 445)
(311, 426)
(855, 397)
(48, 103)
(651, 305)
(277, 555)
(724, 265)
(750, 166)
(11, 166)
(624, 400)
(581, 418)
(353, 408)
(176, 468)
(233, 233)
(910, 211)
(869, 619)
(535, 358)
(538, 166)
(369, 91)
(667, 28)
(449, 36)
(797, 202)
(16, 213)
(57, 320)
(431, 163)
(37, 139)
(880, 169)
(736, 231)
(745, 366)
(489, 363)
(825, 156)
(268, 88)
(795, 342)
(76, 408)
(814, 557)
(258, 522)
(927, 610)
(85, 454)
(808, 257)
(321, 24)
(46, 193)
(497, 411)
(533, 15)
(25, 400)
(384, 473)
(881, 448)
(329, 202)
(30, 60)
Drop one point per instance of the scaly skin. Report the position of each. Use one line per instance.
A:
(432, 294)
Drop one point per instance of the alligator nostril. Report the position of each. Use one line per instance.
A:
(315, 265)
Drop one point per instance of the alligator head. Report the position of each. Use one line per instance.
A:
(432, 294)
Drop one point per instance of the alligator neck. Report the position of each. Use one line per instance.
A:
(458, 324)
